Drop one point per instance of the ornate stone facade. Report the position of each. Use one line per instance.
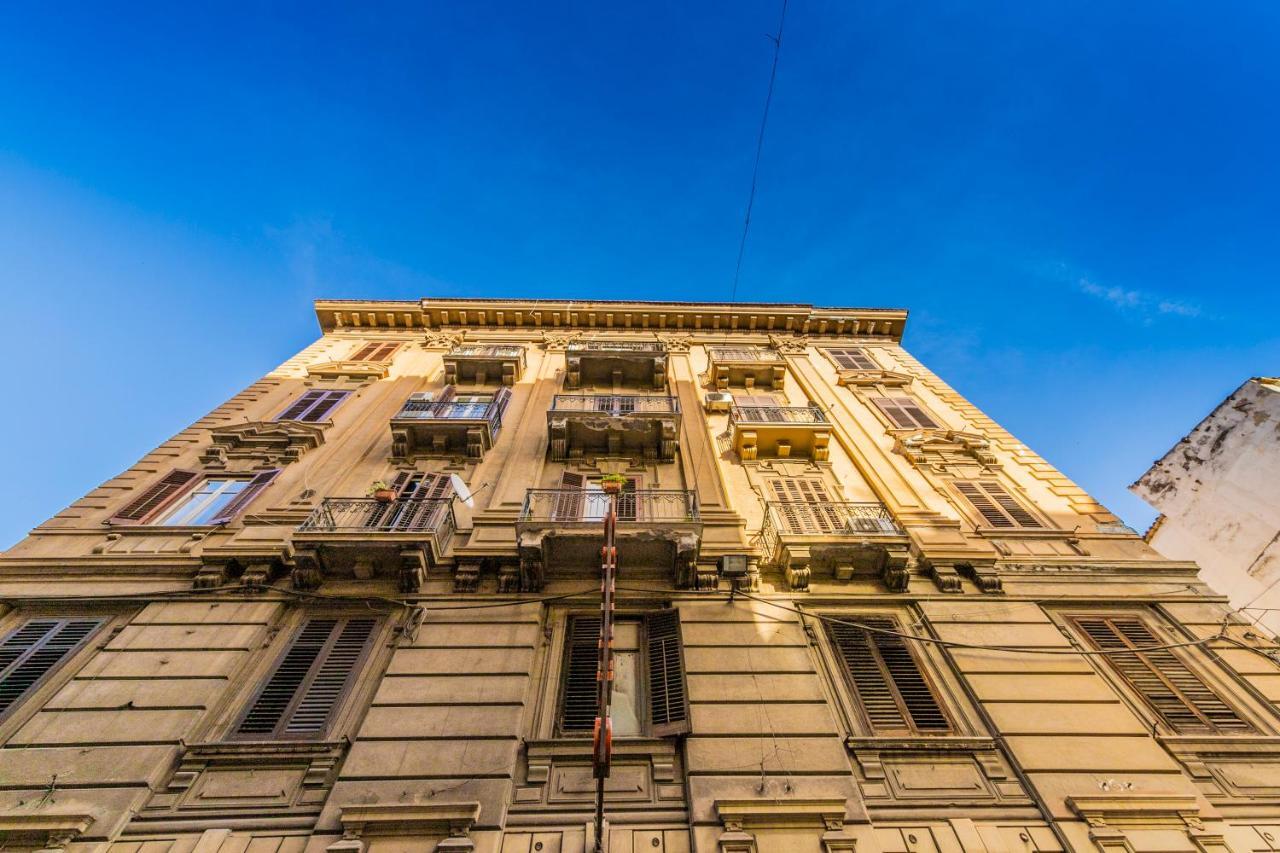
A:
(856, 614)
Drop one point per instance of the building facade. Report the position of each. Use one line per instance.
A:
(1218, 492)
(355, 608)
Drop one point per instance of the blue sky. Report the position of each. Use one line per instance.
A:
(1078, 202)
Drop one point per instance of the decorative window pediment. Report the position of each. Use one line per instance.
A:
(267, 442)
(871, 378)
(945, 451)
(358, 370)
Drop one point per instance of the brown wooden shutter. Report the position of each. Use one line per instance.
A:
(996, 506)
(30, 654)
(301, 406)
(885, 676)
(852, 359)
(804, 506)
(304, 692)
(324, 406)
(259, 482)
(579, 701)
(905, 413)
(668, 699)
(570, 501)
(1177, 695)
(156, 497)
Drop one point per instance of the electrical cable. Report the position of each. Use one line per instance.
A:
(755, 170)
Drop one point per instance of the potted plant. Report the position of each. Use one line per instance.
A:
(381, 492)
(612, 484)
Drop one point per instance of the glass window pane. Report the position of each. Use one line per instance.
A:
(625, 707)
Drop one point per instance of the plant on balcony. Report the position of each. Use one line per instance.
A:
(381, 492)
(612, 484)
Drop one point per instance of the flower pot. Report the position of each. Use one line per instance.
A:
(384, 496)
(611, 488)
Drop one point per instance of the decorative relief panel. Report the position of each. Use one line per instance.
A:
(946, 451)
(264, 442)
(932, 771)
(646, 773)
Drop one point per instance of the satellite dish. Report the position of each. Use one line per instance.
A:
(460, 489)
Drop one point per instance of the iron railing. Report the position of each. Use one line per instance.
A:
(485, 351)
(623, 347)
(826, 519)
(615, 404)
(589, 506)
(456, 410)
(724, 354)
(430, 516)
(778, 415)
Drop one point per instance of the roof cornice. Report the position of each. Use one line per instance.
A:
(350, 314)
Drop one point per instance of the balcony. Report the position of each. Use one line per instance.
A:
(833, 539)
(581, 425)
(780, 432)
(450, 427)
(561, 532)
(366, 538)
(484, 363)
(616, 365)
(746, 367)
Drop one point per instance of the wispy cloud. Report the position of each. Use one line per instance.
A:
(1141, 303)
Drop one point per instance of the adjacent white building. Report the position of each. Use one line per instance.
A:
(1218, 492)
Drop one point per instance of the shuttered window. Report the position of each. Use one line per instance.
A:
(666, 710)
(419, 505)
(905, 413)
(305, 691)
(570, 501)
(804, 506)
(156, 497)
(31, 653)
(996, 506)
(252, 489)
(375, 351)
(885, 677)
(852, 358)
(313, 406)
(1177, 695)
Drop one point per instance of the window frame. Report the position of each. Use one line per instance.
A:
(354, 699)
(981, 522)
(325, 395)
(59, 672)
(384, 350)
(644, 697)
(1197, 665)
(256, 482)
(833, 354)
(935, 423)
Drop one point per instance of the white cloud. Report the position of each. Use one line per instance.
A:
(1139, 303)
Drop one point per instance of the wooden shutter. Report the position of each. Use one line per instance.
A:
(159, 495)
(905, 413)
(380, 351)
(324, 405)
(580, 701)
(569, 502)
(852, 359)
(32, 652)
(301, 406)
(996, 506)
(1177, 695)
(804, 506)
(259, 482)
(885, 676)
(629, 501)
(668, 701)
(305, 690)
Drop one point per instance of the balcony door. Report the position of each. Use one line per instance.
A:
(419, 502)
(581, 499)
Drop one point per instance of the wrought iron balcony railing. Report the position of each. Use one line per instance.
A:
(654, 507)
(432, 517)
(455, 410)
(615, 404)
(623, 347)
(777, 415)
(748, 354)
(485, 351)
(825, 519)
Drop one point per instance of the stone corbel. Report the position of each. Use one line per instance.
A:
(559, 341)
(944, 575)
(676, 343)
(466, 577)
(790, 344)
(413, 569)
(307, 574)
(984, 575)
(442, 340)
(897, 574)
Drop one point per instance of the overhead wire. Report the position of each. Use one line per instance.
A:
(755, 169)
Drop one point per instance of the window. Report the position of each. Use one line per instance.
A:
(313, 406)
(996, 506)
(375, 351)
(584, 500)
(892, 691)
(188, 498)
(905, 413)
(29, 654)
(649, 698)
(306, 690)
(852, 358)
(1176, 694)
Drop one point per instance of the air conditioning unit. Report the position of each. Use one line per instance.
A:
(718, 401)
(869, 525)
